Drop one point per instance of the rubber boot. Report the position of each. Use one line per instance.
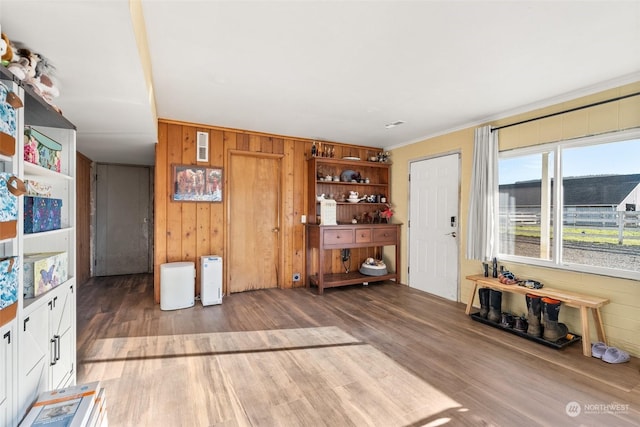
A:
(483, 294)
(534, 309)
(495, 306)
(553, 330)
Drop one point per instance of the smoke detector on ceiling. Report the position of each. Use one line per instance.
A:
(394, 124)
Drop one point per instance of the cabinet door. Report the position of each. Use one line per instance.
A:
(33, 363)
(7, 335)
(62, 358)
(62, 361)
(62, 306)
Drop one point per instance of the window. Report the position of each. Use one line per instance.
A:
(599, 209)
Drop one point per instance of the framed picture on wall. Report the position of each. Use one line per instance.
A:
(197, 184)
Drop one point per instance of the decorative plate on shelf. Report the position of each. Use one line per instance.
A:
(350, 158)
(348, 175)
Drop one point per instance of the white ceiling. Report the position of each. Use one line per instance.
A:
(330, 70)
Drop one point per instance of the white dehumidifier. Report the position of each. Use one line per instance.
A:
(211, 280)
(177, 285)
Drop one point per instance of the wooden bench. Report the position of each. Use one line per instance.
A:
(570, 299)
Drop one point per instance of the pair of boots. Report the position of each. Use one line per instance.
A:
(549, 310)
(490, 304)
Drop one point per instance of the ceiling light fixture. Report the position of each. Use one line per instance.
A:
(394, 124)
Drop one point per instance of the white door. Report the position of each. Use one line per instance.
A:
(433, 225)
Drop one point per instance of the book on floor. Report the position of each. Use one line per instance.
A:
(99, 410)
(66, 407)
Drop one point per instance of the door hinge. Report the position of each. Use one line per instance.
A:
(7, 336)
(409, 177)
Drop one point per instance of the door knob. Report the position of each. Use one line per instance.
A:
(275, 229)
(452, 234)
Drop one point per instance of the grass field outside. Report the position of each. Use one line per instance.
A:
(595, 235)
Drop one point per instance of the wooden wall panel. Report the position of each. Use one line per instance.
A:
(174, 210)
(83, 218)
(216, 234)
(188, 217)
(184, 231)
(161, 201)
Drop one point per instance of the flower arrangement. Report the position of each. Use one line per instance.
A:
(387, 213)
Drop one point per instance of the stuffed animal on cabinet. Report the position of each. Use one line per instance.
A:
(6, 49)
(23, 64)
(34, 69)
(43, 82)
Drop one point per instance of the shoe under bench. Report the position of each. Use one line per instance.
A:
(571, 299)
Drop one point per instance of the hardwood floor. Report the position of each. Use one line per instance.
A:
(381, 354)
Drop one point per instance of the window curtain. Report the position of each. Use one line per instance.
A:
(483, 202)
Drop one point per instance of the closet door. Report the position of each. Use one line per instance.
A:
(254, 226)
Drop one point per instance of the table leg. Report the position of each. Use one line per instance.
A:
(586, 339)
(308, 267)
(320, 271)
(599, 326)
(473, 296)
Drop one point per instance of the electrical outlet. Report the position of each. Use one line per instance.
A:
(296, 277)
(303, 219)
(346, 254)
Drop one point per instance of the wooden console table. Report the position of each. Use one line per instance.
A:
(329, 237)
(571, 299)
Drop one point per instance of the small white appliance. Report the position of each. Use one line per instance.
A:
(177, 285)
(211, 279)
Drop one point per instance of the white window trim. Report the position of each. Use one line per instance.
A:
(555, 147)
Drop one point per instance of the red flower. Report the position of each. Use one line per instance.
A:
(387, 213)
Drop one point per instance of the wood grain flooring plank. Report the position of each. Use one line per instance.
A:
(378, 355)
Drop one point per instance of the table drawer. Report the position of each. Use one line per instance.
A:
(363, 235)
(385, 235)
(338, 237)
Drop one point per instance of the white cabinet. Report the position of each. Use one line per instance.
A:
(7, 373)
(47, 344)
(43, 337)
(8, 331)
